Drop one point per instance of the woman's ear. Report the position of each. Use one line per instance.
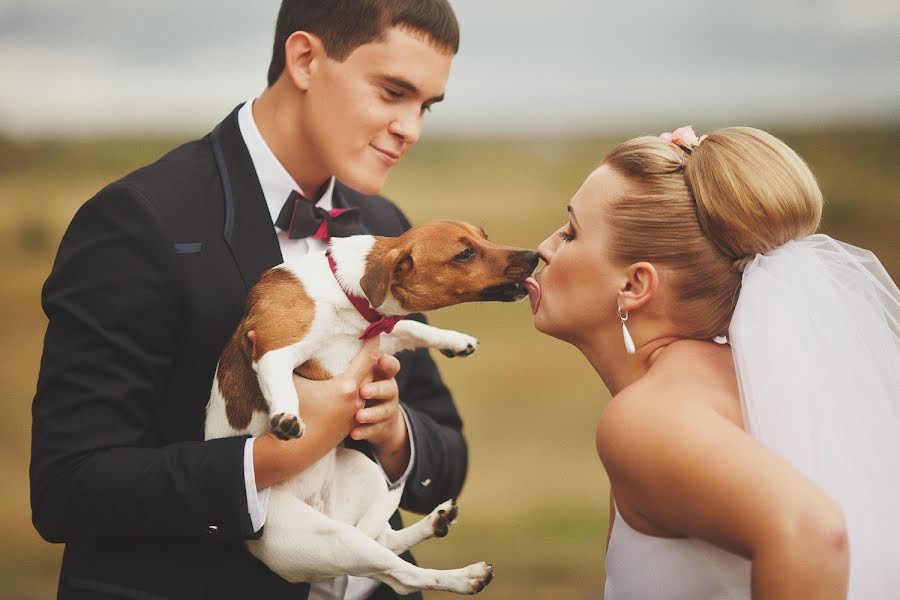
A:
(639, 286)
(300, 50)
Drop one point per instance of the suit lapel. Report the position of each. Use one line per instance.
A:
(248, 230)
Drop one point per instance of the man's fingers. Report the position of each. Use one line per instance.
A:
(363, 432)
(388, 366)
(381, 390)
(362, 364)
(376, 413)
(366, 432)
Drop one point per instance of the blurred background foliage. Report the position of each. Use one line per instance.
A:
(535, 503)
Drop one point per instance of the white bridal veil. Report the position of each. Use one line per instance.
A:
(816, 342)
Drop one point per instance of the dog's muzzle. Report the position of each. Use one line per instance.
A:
(509, 292)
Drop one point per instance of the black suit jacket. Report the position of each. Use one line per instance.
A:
(149, 282)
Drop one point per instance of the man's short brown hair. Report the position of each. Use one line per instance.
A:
(344, 25)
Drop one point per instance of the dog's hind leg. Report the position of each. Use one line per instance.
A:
(301, 544)
(408, 335)
(367, 503)
(436, 524)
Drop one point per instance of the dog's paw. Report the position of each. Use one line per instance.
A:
(287, 427)
(479, 575)
(458, 344)
(443, 517)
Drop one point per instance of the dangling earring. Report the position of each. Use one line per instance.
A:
(629, 343)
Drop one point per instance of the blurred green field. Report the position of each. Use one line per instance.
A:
(535, 504)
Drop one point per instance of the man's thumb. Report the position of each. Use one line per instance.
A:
(364, 361)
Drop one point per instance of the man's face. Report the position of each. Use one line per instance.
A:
(366, 112)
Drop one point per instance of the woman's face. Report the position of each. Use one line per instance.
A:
(576, 289)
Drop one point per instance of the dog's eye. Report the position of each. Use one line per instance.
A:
(465, 255)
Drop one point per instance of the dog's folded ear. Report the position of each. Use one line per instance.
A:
(382, 266)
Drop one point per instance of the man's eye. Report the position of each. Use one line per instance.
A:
(465, 255)
(393, 93)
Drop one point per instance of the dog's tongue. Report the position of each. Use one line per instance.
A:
(534, 293)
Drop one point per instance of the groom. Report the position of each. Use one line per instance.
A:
(151, 279)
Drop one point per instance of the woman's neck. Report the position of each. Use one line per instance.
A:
(617, 368)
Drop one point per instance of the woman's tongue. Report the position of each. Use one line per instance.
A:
(534, 293)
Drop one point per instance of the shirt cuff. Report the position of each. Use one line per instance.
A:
(257, 501)
(392, 485)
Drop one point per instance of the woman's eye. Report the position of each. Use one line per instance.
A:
(465, 255)
(566, 236)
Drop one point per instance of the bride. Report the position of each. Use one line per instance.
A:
(753, 439)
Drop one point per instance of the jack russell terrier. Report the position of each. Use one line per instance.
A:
(311, 316)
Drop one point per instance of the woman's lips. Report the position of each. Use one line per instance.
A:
(534, 293)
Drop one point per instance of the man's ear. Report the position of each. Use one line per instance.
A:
(382, 270)
(300, 50)
(639, 286)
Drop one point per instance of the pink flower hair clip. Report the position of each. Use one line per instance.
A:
(683, 137)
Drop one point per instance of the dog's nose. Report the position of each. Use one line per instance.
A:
(531, 258)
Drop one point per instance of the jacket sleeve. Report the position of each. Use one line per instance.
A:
(98, 467)
(441, 461)
(439, 469)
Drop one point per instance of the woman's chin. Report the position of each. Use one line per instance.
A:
(542, 324)
(553, 329)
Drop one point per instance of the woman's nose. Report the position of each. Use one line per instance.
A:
(545, 249)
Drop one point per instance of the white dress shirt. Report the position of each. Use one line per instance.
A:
(277, 184)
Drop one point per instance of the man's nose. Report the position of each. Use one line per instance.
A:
(407, 126)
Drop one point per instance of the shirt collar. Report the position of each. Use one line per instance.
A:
(276, 182)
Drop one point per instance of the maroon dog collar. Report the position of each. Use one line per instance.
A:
(378, 323)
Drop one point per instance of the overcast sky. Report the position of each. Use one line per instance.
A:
(99, 66)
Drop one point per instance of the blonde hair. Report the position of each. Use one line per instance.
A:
(703, 216)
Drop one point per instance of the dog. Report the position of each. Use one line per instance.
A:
(308, 316)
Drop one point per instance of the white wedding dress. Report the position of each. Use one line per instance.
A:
(643, 567)
(816, 343)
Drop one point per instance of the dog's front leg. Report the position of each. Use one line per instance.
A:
(275, 371)
(409, 335)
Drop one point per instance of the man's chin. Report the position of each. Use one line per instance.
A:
(369, 184)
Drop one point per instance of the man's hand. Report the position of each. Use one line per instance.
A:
(381, 421)
(329, 408)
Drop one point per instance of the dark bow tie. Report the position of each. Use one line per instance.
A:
(300, 218)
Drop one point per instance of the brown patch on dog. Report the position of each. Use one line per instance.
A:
(280, 313)
(237, 382)
(423, 271)
(279, 310)
(311, 369)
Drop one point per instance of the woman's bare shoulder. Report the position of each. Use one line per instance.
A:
(689, 377)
